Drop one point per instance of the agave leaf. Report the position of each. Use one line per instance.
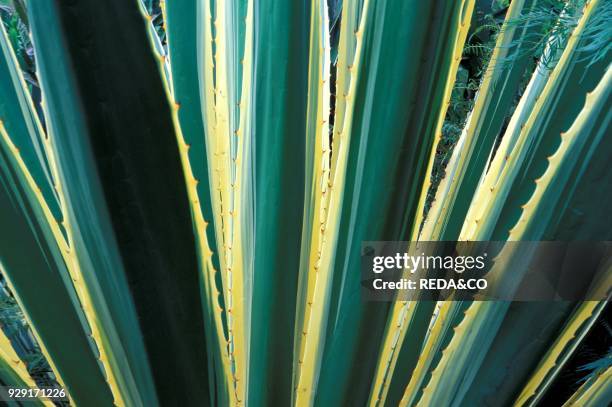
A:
(181, 30)
(479, 318)
(397, 156)
(233, 75)
(218, 160)
(20, 119)
(447, 316)
(278, 109)
(225, 72)
(564, 223)
(418, 328)
(315, 280)
(66, 124)
(349, 56)
(139, 244)
(580, 140)
(42, 285)
(571, 220)
(242, 209)
(182, 36)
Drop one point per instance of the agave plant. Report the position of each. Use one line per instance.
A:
(182, 211)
